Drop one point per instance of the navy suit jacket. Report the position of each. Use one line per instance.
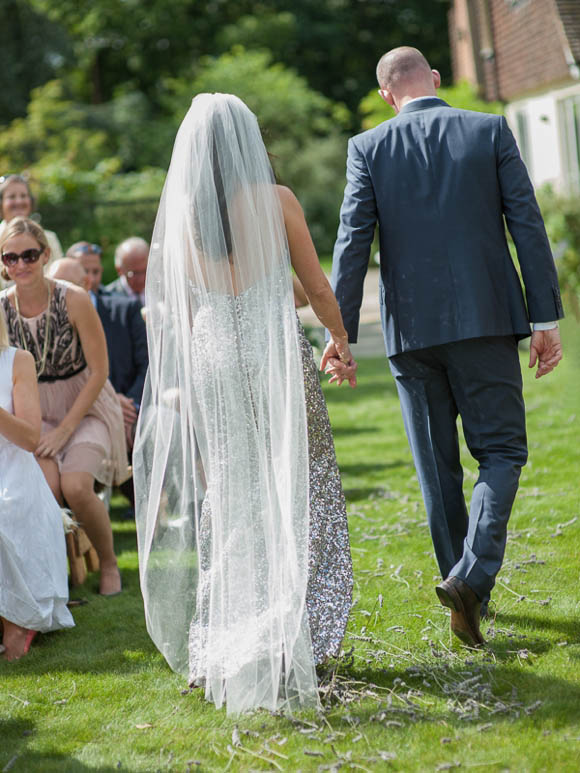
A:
(442, 183)
(126, 343)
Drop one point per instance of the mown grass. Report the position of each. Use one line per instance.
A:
(405, 696)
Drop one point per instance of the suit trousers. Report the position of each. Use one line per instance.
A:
(480, 380)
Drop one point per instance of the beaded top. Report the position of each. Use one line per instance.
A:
(64, 357)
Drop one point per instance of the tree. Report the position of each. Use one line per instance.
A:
(32, 50)
(303, 130)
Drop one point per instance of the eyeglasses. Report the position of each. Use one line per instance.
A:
(84, 248)
(131, 274)
(27, 257)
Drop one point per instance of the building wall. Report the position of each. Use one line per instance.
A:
(462, 44)
(529, 46)
(537, 123)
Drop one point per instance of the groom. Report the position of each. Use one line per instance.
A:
(440, 182)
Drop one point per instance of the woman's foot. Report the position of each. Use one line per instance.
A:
(29, 639)
(14, 640)
(110, 582)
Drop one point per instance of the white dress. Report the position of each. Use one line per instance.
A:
(33, 569)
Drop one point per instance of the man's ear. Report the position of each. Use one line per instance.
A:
(436, 78)
(386, 95)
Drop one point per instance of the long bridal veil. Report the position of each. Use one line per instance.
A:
(221, 456)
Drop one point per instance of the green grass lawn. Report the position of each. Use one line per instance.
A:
(405, 696)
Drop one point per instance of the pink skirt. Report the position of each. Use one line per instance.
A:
(97, 446)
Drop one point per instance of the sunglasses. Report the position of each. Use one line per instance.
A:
(84, 248)
(28, 256)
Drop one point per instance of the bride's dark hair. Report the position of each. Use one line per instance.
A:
(224, 144)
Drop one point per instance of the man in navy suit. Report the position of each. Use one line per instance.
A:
(125, 334)
(441, 184)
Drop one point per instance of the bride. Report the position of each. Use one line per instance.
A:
(243, 542)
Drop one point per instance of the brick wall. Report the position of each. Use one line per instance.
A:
(529, 46)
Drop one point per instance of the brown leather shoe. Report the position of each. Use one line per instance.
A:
(465, 610)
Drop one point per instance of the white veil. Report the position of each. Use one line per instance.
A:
(221, 456)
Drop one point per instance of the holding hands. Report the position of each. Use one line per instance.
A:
(337, 360)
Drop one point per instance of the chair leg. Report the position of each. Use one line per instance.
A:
(82, 556)
(78, 570)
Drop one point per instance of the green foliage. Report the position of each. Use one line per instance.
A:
(99, 206)
(32, 50)
(335, 44)
(129, 41)
(258, 32)
(55, 129)
(111, 81)
(301, 128)
(562, 218)
(374, 110)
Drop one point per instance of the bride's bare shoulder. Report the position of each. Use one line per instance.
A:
(288, 200)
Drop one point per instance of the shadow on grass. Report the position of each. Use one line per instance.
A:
(355, 430)
(516, 694)
(15, 734)
(568, 627)
(49, 763)
(364, 469)
(375, 384)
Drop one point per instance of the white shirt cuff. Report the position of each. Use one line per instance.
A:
(544, 325)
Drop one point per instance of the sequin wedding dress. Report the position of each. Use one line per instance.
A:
(243, 543)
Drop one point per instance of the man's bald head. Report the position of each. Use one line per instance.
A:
(70, 270)
(403, 73)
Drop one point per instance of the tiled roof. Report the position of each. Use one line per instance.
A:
(570, 15)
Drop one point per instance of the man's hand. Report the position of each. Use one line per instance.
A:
(128, 409)
(546, 350)
(338, 369)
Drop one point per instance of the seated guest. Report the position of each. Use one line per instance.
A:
(16, 200)
(69, 270)
(131, 258)
(124, 328)
(82, 436)
(33, 573)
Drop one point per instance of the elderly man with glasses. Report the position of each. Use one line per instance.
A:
(131, 263)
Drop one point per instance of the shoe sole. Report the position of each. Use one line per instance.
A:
(450, 599)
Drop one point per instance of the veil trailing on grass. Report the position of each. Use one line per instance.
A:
(221, 457)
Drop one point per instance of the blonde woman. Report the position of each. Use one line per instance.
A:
(82, 426)
(33, 575)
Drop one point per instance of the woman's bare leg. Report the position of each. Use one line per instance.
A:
(50, 469)
(78, 490)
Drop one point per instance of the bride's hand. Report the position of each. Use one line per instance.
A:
(337, 360)
(340, 371)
